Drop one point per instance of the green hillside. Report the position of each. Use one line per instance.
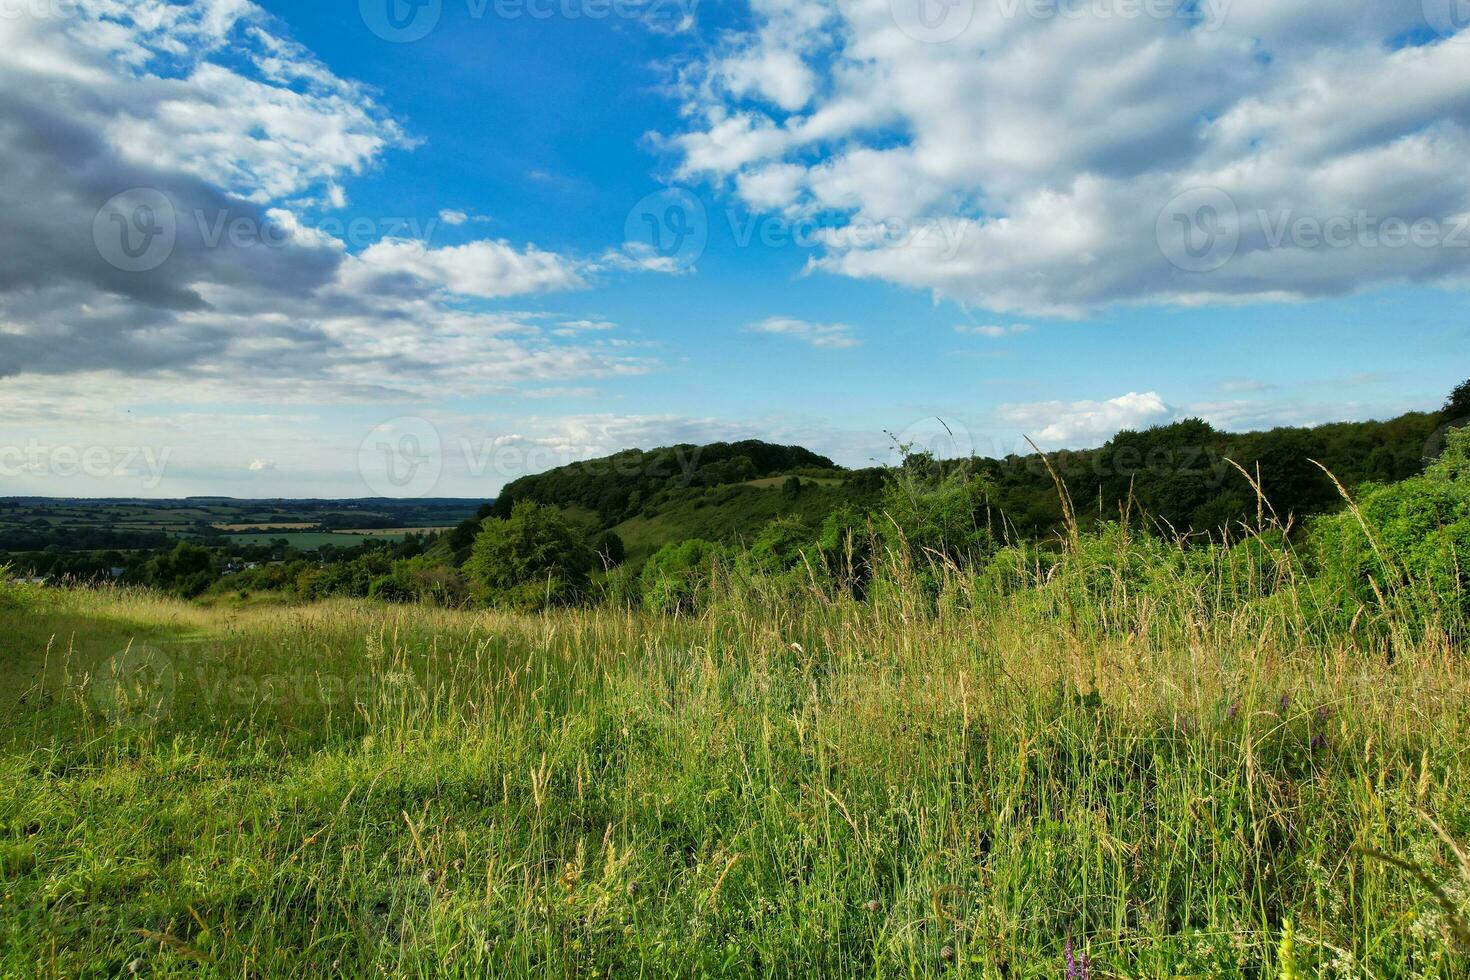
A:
(1183, 477)
(733, 513)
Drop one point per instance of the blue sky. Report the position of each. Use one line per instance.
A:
(494, 299)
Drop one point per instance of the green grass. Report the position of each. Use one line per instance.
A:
(787, 785)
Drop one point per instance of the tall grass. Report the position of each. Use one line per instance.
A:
(1166, 760)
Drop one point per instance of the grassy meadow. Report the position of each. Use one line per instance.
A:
(1115, 768)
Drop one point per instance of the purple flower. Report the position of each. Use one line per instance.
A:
(1077, 969)
(1232, 711)
(1319, 742)
(1285, 702)
(1323, 713)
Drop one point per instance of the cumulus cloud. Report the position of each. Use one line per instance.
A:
(1221, 153)
(171, 171)
(1067, 425)
(829, 335)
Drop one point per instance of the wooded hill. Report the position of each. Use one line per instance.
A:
(1178, 476)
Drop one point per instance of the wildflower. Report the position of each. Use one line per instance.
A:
(1319, 742)
(1077, 969)
(1232, 711)
(872, 905)
(947, 954)
(1323, 713)
(1285, 702)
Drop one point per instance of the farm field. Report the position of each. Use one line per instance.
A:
(1136, 780)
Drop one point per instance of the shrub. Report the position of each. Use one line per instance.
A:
(1407, 550)
(677, 577)
(529, 561)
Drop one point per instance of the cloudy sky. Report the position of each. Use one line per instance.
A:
(279, 248)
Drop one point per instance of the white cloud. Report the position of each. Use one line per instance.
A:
(226, 123)
(261, 465)
(993, 331)
(831, 335)
(453, 218)
(1236, 385)
(1057, 189)
(1070, 425)
(486, 269)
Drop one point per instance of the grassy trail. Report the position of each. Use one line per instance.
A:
(813, 789)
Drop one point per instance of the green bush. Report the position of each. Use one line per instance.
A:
(1405, 548)
(677, 577)
(529, 561)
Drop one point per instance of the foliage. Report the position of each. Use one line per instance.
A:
(609, 549)
(1404, 548)
(619, 487)
(185, 571)
(531, 560)
(679, 576)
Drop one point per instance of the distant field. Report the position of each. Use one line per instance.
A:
(394, 533)
(67, 525)
(300, 526)
(312, 540)
(306, 541)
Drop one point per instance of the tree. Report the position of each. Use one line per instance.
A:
(186, 571)
(609, 550)
(1457, 407)
(529, 561)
